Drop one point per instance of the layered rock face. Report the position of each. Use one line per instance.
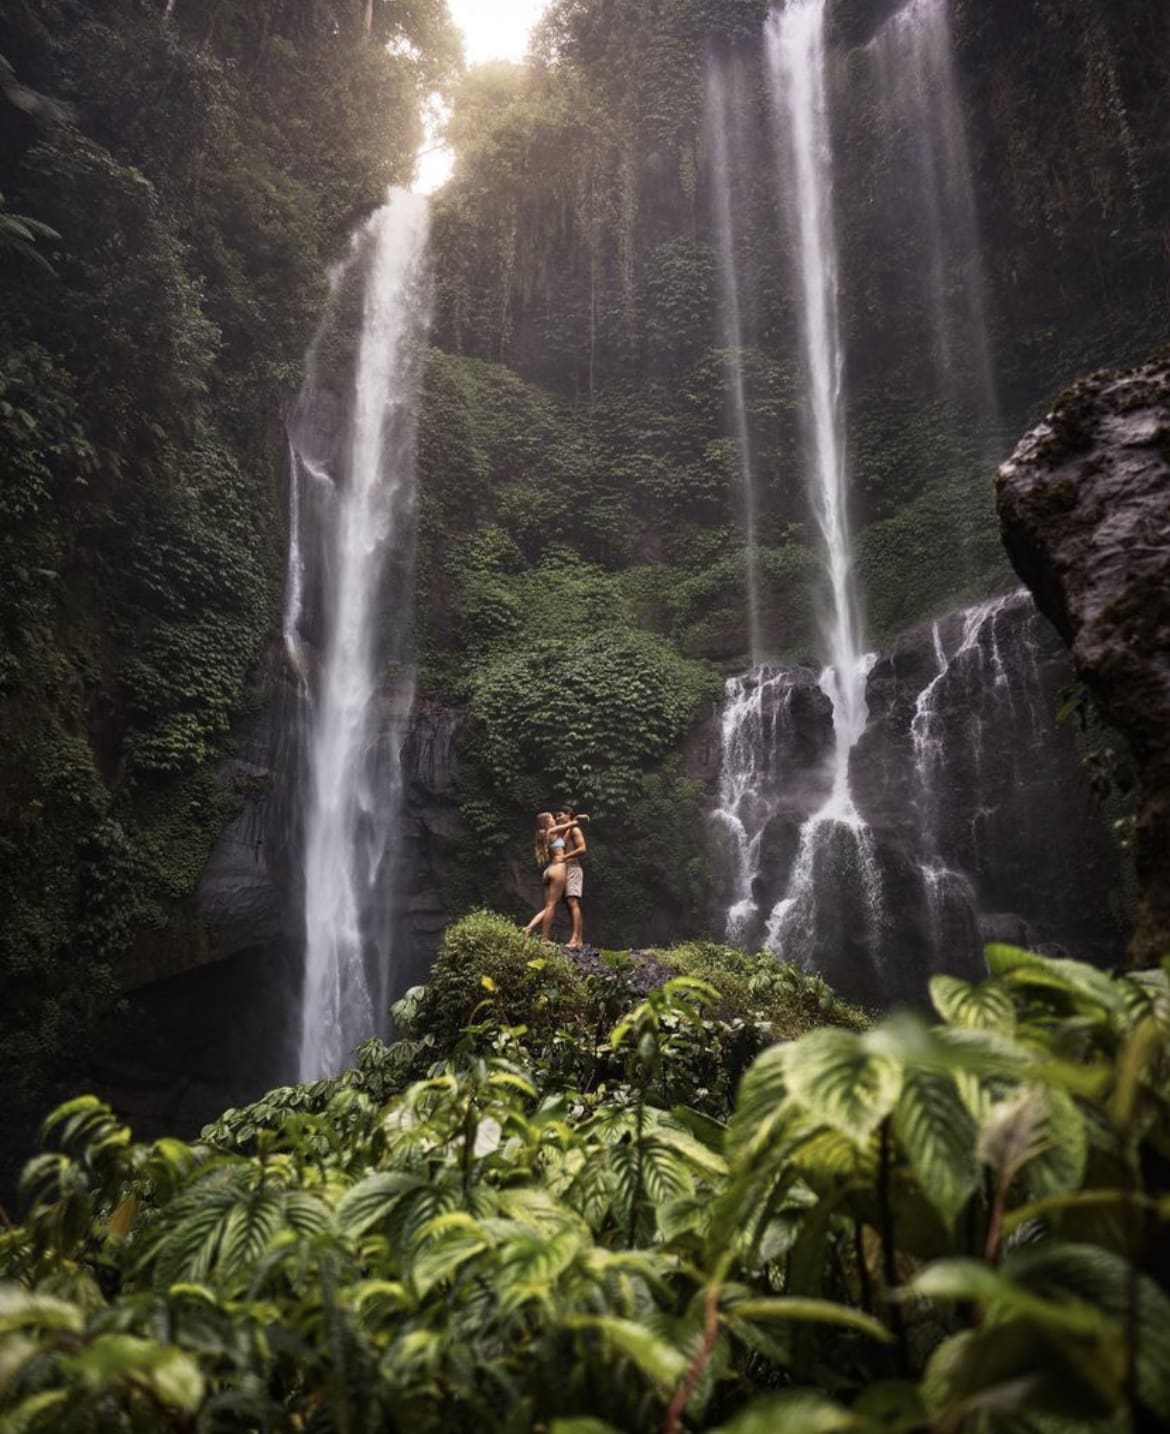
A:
(976, 822)
(985, 826)
(1084, 505)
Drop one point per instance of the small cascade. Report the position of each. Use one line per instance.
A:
(718, 126)
(977, 664)
(347, 622)
(922, 120)
(757, 735)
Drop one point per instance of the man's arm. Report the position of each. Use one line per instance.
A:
(577, 845)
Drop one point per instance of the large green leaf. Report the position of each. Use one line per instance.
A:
(801, 1412)
(114, 1359)
(30, 1413)
(658, 1359)
(844, 1080)
(938, 1133)
(248, 1231)
(761, 1109)
(987, 1007)
(999, 1290)
(1087, 1275)
(1008, 1367)
(804, 1311)
(583, 1426)
(1038, 1134)
(373, 1198)
(21, 1309)
(1076, 980)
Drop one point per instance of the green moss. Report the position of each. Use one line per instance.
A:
(487, 956)
(486, 965)
(759, 987)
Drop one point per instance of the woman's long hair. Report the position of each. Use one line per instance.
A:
(544, 821)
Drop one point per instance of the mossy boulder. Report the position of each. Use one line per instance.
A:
(485, 957)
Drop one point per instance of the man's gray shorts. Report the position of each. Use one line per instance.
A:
(574, 879)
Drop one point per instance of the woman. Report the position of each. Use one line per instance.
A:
(548, 846)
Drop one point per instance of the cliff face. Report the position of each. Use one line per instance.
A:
(974, 801)
(1085, 506)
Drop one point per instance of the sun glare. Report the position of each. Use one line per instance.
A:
(492, 30)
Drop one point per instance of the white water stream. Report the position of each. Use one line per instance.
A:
(361, 687)
(795, 37)
(718, 123)
(919, 94)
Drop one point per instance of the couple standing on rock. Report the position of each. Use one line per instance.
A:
(559, 845)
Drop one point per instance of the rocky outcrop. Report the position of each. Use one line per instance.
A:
(981, 814)
(1084, 505)
(974, 819)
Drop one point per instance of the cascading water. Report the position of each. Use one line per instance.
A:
(718, 124)
(922, 121)
(835, 837)
(978, 647)
(347, 623)
(757, 737)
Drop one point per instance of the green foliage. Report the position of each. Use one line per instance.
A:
(486, 958)
(488, 1244)
(758, 987)
(173, 186)
(586, 716)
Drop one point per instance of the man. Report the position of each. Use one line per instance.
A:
(575, 849)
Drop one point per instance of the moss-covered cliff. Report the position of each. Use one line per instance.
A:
(578, 476)
(189, 169)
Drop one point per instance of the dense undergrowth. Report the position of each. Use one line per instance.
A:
(175, 180)
(571, 1215)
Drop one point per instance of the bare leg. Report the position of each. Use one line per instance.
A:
(576, 939)
(539, 917)
(556, 889)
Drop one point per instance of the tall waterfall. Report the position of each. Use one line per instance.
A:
(834, 839)
(347, 618)
(935, 211)
(718, 125)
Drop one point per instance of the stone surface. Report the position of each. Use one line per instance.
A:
(979, 822)
(1084, 505)
(985, 824)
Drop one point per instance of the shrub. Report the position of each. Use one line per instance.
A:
(906, 1228)
(761, 988)
(487, 956)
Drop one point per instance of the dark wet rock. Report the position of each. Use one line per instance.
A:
(978, 820)
(431, 825)
(856, 22)
(965, 771)
(1084, 504)
(643, 974)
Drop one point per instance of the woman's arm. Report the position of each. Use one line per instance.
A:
(569, 825)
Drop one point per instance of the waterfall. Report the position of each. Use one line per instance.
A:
(757, 735)
(922, 119)
(718, 124)
(978, 647)
(796, 58)
(834, 843)
(347, 619)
